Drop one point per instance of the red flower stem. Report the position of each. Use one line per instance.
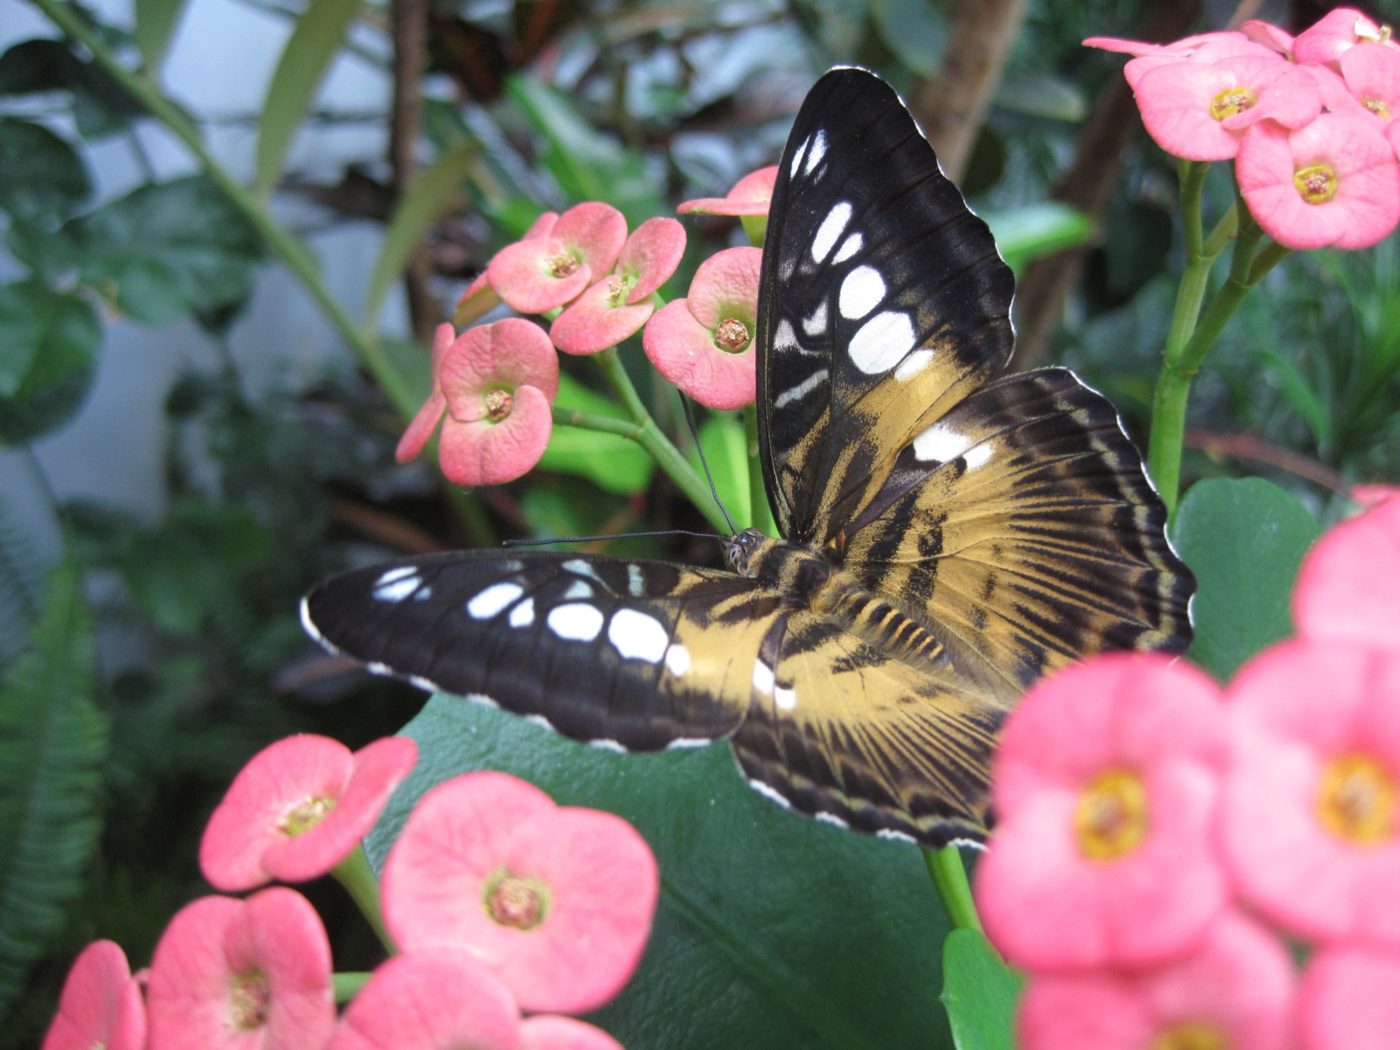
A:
(355, 874)
(945, 867)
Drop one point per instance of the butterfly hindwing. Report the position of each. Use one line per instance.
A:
(641, 654)
(882, 303)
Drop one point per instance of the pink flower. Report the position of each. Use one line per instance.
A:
(1348, 586)
(1233, 989)
(101, 1004)
(240, 973)
(1268, 34)
(1202, 49)
(1392, 134)
(298, 808)
(495, 384)
(1104, 787)
(751, 195)
(1333, 183)
(1311, 828)
(704, 343)
(1335, 33)
(431, 999)
(480, 298)
(1199, 110)
(552, 1032)
(545, 270)
(1350, 998)
(558, 900)
(1369, 497)
(619, 304)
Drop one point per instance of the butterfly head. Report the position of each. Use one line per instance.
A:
(741, 548)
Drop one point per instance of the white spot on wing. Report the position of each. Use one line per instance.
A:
(609, 745)
(881, 342)
(897, 836)
(831, 818)
(396, 584)
(815, 324)
(523, 615)
(770, 793)
(862, 290)
(831, 228)
(785, 698)
(801, 390)
(638, 636)
(815, 152)
(940, 443)
(540, 720)
(425, 684)
(687, 741)
(492, 600)
(849, 247)
(575, 622)
(578, 589)
(762, 678)
(978, 455)
(677, 659)
(913, 365)
(634, 580)
(581, 568)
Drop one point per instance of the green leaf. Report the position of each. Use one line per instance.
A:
(318, 35)
(100, 105)
(1301, 394)
(48, 356)
(726, 451)
(42, 178)
(979, 993)
(1027, 233)
(1243, 538)
(436, 192)
(156, 21)
(613, 463)
(1043, 96)
(167, 249)
(774, 930)
(915, 30)
(53, 742)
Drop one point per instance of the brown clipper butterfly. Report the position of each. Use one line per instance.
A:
(948, 535)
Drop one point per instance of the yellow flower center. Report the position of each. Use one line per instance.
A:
(732, 335)
(1356, 800)
(1231, 101)
(1316, 184)
(498, 404)
(515, 900)
(1379, 106)
(1193, 1035)
(617, 291)
(306, 815)
(562, 264)
(248, 1000)
(1111, 817)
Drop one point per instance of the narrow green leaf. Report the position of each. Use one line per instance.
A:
(726, 451)
(1301, 394)
(156, 21)
(1243, 538)
(48, 356)
(615, 464)
(53, 742)
(436, 192)
(979, 992)
(314, 42)
(1027, 233)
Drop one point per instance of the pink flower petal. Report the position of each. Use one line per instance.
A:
(1268, 34)
(100, 1006)
(726, 285)
(1233, 989)
(751, 195)
(1346, 153)
(1203, 49)
(1349, 583)
(501, 356)
(683, 350)
(1311, 836)
(1350, 997)
(592, 878)
(431, 999)
(425, 422)
(233, 973)
(1121, 45)
(599, 318)
(1372, 75)
(1392, 134)
(1369, 497)
(541, 273)
(1048, 902)
(298, 808)
(552, 1032)
(1335, 32)
(597, 230)
(476, 302)
(651, 256)
(486, 453)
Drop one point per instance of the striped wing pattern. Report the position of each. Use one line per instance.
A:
(948, 536)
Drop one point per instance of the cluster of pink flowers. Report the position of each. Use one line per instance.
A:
(497, 900)
(1162, 842)
(1310, 121)
(493, 386)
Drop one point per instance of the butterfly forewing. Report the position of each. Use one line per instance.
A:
(883, 302)
(638, 653)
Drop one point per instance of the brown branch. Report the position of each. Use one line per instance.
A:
(410, 35)
(1257, 450)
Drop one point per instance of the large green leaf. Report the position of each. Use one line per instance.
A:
(774, 930)
(319, 32)
(42, 178)
(615, 464)
(156, 22)
(979, 992)
(48, 355)
(727, 454)
(1027, 233)
(1243, 538)
(100, 105)
(167, 249)
(52, 745)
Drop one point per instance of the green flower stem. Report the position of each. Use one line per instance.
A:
(945, 867)
(290, 250)
(345, 986)
(646, 433)
(760, 513)
(355, 874)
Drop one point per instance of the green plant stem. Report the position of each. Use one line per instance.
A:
(345, 986)
(760, 513)
(355, 874)
(945, 867)
(646, 433)
(291, 251)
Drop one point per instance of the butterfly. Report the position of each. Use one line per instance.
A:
(948, 534)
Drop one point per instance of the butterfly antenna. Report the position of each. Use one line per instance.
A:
(695, 433)
(520, 542)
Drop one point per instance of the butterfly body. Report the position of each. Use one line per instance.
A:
(947, 535)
